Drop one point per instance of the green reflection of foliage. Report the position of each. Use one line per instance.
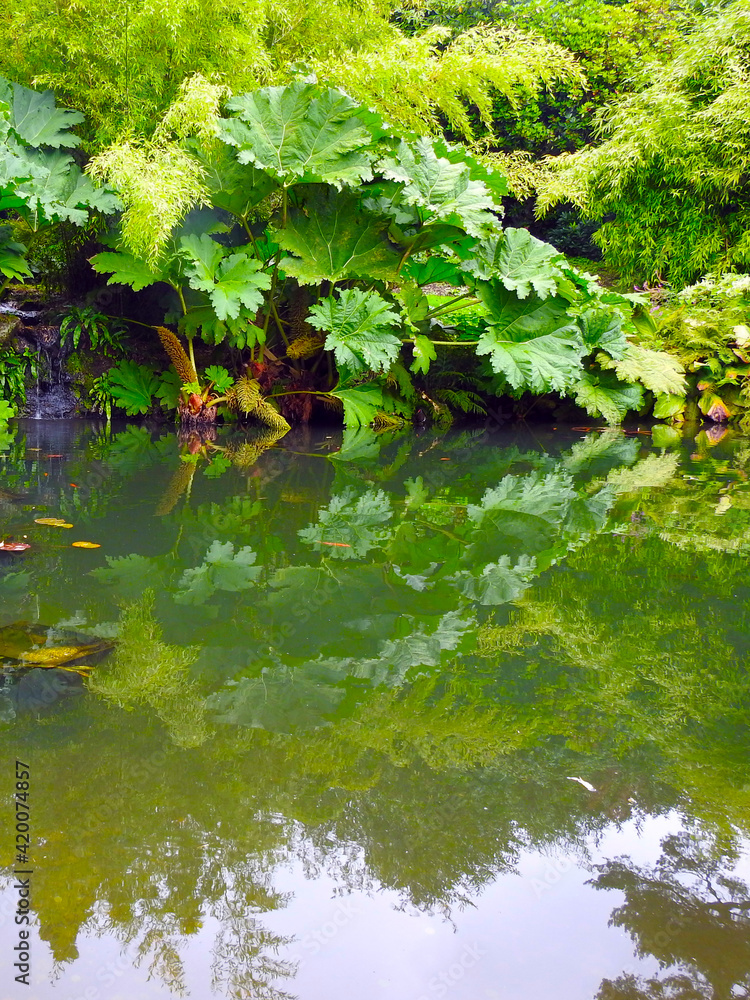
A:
(402, 732)
(144, 670)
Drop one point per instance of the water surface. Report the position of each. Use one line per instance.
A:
(391, 716)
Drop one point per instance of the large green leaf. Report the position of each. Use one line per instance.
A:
(125, 269)
(133, 386)
(658, 371)
(332, 239)
(492, 179)
(241, 332)
(521, 261)
(300, 132)
(231, 280)
(358, 326)
(432, 270)
(443, 190)
(361, 405)
(604, 395)
(54, 190)
(34, 118)
(12, 256)
(602, 328)
(233, 186)
(533, 343)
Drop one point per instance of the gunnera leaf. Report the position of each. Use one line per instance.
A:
(301, 132)
(604, 395)
(358, 326)
(231, 280)
(532, 342)
(443, 190)
(35, 119)
(332, 239)
(521, 261)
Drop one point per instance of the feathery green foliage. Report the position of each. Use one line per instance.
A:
(416, 81)
(674, 162)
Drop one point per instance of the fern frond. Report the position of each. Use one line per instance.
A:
(461, 399)
(177, 355)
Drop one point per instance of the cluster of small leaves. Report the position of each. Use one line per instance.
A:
(705, 326)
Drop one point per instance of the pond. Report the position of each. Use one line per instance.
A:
(396, 716)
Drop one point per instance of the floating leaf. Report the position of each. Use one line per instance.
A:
(14, 546)
(86, 545)
(41, 645)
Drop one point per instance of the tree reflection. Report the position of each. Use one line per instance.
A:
(691, 913)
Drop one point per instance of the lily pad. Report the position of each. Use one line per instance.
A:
(26, 644)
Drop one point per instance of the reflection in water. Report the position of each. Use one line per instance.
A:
(690, 911)
(384, 658)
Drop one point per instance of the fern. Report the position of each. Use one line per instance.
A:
(463, 400)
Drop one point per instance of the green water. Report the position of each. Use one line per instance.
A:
(396, 717)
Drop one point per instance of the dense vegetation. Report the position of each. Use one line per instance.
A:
(281, 200)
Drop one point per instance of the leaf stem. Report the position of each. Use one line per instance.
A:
(445, 343)
(451, 302)
(279, 324)
(298, 392)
